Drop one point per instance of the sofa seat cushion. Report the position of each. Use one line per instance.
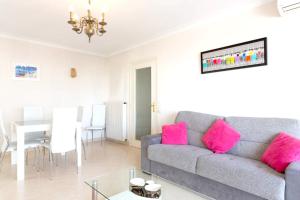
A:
(248, 175)
(183, 157)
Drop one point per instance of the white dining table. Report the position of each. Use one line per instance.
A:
(22, 127)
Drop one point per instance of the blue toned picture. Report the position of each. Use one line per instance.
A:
(26, 72)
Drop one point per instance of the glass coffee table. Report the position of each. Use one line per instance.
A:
(116, 186)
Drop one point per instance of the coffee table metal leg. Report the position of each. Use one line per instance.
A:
(94, 194)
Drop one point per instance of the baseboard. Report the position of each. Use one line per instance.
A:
(96, 139)
(117, 141)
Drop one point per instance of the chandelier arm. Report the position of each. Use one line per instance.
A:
(82, 23)
(95, 25)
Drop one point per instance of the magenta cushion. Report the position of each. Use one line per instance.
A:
(220, 137)
(174, 134)
(283, 150)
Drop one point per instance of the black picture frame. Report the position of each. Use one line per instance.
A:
(238, 63)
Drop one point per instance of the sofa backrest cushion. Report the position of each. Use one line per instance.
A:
(258, 133)
(197, 124)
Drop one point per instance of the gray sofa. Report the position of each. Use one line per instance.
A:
(237, 175)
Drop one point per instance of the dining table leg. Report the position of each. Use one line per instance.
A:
(20, 153)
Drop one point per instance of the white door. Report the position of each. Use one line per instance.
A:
(143, 102)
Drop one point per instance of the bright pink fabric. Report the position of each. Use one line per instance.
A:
(174, 134)
(283, 150)
(220, 137)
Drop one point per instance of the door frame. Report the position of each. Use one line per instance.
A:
(132, 96)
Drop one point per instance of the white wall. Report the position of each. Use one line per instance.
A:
(271, 90)
(56, 87)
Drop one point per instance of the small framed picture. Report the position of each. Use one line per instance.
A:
(243, 55)
(26, 72)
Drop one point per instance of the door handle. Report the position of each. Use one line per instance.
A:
(153, 107)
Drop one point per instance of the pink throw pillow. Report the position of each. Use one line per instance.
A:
(175, 134)
(220, 137)
(283, 150)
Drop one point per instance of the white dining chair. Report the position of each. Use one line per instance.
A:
(9, 146)
(63, 132)
(98, 122)
(34, 113)
(85, 117)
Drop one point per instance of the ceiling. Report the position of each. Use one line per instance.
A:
(130, 22)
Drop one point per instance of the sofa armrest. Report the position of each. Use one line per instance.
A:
(146, 141)
(292, 179)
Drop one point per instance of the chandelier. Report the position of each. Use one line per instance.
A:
(89, 24)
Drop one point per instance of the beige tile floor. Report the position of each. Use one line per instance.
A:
(65, 184)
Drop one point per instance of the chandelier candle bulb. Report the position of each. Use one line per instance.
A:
(104, 8)
(71, 8)
(71, 16)
(75, 17)
(88, 7)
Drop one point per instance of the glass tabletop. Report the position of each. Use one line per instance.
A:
(116, 186)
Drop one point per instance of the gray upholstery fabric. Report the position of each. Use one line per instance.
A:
(145, 142)
(180, 156)
(292, 178)
(257, 133)
(197, 123)
(200, 184)
(245, 174)
(246, 149)
(230, 177)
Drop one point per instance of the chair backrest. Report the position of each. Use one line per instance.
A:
(4, 140)
(98, 118)
(31, 113)
(85, 116)
(63, 130)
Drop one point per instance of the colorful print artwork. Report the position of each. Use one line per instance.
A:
(26, 72)
(248, 54)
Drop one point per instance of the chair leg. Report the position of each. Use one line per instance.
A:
(77, 169)
(83, 148)
(2, 158)
(35, 157)
(87, 137)
(65, 160)
(26, 157)
(49, 156)
(104, 133)
(56, 160)
(51, 162)
(100, 137)
(38, 159)
(44, 152)
(92, 136)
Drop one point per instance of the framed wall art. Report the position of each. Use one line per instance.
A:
(243, 55)
(26, 72)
